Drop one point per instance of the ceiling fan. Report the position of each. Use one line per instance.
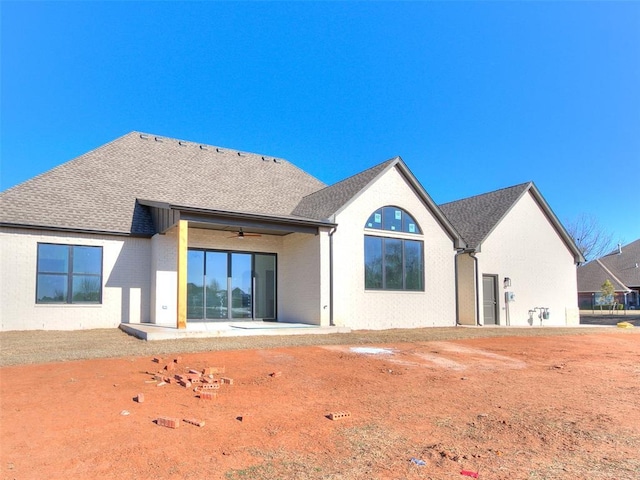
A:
(241, 235)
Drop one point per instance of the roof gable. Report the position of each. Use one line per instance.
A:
(98, 190)
(328, 201)
(476, 217)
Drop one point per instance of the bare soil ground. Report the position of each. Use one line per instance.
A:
(505, 407)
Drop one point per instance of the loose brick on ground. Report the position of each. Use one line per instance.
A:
(177, 360)
(169, 422)
(275, 374)
(227, 380)
(209, 386)
(339, 415)
(140, 398)
(208, 395)
(194, 421)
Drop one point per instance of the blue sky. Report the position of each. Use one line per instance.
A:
(474, 96)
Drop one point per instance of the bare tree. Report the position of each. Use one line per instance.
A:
(590, 237)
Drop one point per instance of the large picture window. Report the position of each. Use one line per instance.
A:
(393, 264)
(69, 274)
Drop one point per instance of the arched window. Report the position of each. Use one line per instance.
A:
(394, 219)
(390, 261)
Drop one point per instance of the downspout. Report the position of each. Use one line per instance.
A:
(477, 295)
(455, 282)
(331, 232)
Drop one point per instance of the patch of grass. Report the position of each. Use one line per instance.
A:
(365, 450)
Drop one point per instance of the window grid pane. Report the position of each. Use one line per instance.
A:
(372, 262)
(413, 265)
(85, 288)
(87, 260)
(51, 288)
(53, 258)
(392, 264)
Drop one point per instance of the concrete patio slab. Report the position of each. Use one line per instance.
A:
(151, 332)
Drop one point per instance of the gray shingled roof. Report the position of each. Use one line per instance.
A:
(324, 203)
(622, 268)
(475, 217)
(98, 190)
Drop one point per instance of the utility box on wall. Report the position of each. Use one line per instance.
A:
(509, 297)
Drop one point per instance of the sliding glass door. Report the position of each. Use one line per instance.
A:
(226, 285)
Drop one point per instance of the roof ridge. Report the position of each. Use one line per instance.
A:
(218, 147)
(222, 149)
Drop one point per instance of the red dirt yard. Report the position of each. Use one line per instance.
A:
(505, 408)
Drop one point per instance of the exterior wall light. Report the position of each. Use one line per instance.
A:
(506, 282)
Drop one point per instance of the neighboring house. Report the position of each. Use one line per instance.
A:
(622, 268)
(151, 229)
(519, 266)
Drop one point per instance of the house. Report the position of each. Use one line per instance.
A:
(147, 229)
(519, 264)
(622, 268)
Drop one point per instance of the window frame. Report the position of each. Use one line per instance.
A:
(403, 261)
(69, 274)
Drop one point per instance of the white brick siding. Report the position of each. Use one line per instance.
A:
(125, 283)
(369, 309)
(526, 248)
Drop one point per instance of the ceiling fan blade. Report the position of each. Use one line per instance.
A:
(242, 234)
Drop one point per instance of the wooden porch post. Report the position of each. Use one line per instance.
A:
(183, 240)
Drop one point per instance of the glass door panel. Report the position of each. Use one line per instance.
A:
(265, 286)
(228, 285)
(241, 285)
(195, 285)
(216, 293)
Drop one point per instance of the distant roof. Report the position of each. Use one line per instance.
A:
(476, 217)
(620, 267)
(98, 190)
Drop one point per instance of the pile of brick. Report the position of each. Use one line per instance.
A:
(206, 382)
